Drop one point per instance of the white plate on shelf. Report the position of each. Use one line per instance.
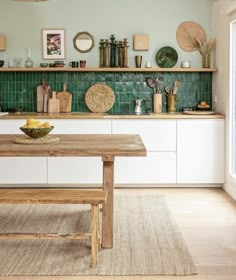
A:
(199, 112)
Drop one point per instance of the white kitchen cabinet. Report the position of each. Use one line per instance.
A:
(54, 170)
(200, 151)
(159, 138)
(189, 151)
(18, 170)
(11, 126)
(156, 168)
(70, 170)
(81, 126)
(81, 169)
(23, 170)
(157, 135)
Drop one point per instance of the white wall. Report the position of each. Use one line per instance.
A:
(22, 24)
(222, 13)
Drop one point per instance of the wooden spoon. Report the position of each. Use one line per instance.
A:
(176, 86)
(168, 90)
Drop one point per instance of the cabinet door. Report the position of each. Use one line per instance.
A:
(23, 170)
(158, 167)
(200, 151)
(81, 169)
(157, 135)
(11, 126)
(70, 170)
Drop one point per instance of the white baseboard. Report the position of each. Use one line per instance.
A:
(116, 185)
(230, 187)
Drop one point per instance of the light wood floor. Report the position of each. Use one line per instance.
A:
(207, 219)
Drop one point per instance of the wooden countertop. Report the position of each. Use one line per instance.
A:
(85, 115)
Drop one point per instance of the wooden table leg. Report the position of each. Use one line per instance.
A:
(107, 213)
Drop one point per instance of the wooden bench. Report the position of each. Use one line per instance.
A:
(93, 197)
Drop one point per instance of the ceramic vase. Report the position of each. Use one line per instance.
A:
(157, 102)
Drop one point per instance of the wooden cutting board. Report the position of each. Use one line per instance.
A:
(53, 103)
(65, 98)
(47, 95)
(41, 91)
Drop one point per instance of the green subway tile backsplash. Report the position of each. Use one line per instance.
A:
(18, 89)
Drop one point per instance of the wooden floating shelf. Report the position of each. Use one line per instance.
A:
(64, 69)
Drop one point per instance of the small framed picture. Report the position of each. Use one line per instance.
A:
(53, 41)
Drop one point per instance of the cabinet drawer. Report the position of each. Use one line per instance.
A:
(81, 126)
(157, 135)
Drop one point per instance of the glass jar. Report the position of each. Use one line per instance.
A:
(206, 60)
(29, 62)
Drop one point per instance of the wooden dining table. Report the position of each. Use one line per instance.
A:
(106, 146)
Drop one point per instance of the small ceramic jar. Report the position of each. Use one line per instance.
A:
(186, 64)
(148, 64)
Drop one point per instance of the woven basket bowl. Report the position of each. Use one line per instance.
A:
(37, 132)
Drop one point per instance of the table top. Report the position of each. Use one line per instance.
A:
(73, 145)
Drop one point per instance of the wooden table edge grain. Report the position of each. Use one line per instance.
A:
(72, 145)
(106, 146)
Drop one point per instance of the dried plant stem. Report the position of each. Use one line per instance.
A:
(206, 47)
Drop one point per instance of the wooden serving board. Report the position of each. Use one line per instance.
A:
(53, 104)
(65, 98)
(47, 95)
(41, 91)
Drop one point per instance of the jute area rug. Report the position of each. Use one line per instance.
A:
(146, 241)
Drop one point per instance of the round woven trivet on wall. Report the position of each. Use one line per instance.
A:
(99, 98)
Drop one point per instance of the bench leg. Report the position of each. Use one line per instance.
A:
(99, 235)
(94, 237)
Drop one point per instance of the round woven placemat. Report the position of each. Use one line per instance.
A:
(190, 36)
(99, 98)
(44, 140)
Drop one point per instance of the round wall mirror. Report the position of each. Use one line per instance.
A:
(83, 42)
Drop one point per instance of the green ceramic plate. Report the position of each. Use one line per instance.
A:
(166, 57)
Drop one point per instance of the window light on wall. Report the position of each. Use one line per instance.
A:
(232, 109)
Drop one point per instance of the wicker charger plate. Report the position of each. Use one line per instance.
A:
(190, 36)
(99, 98)
(44, 140)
